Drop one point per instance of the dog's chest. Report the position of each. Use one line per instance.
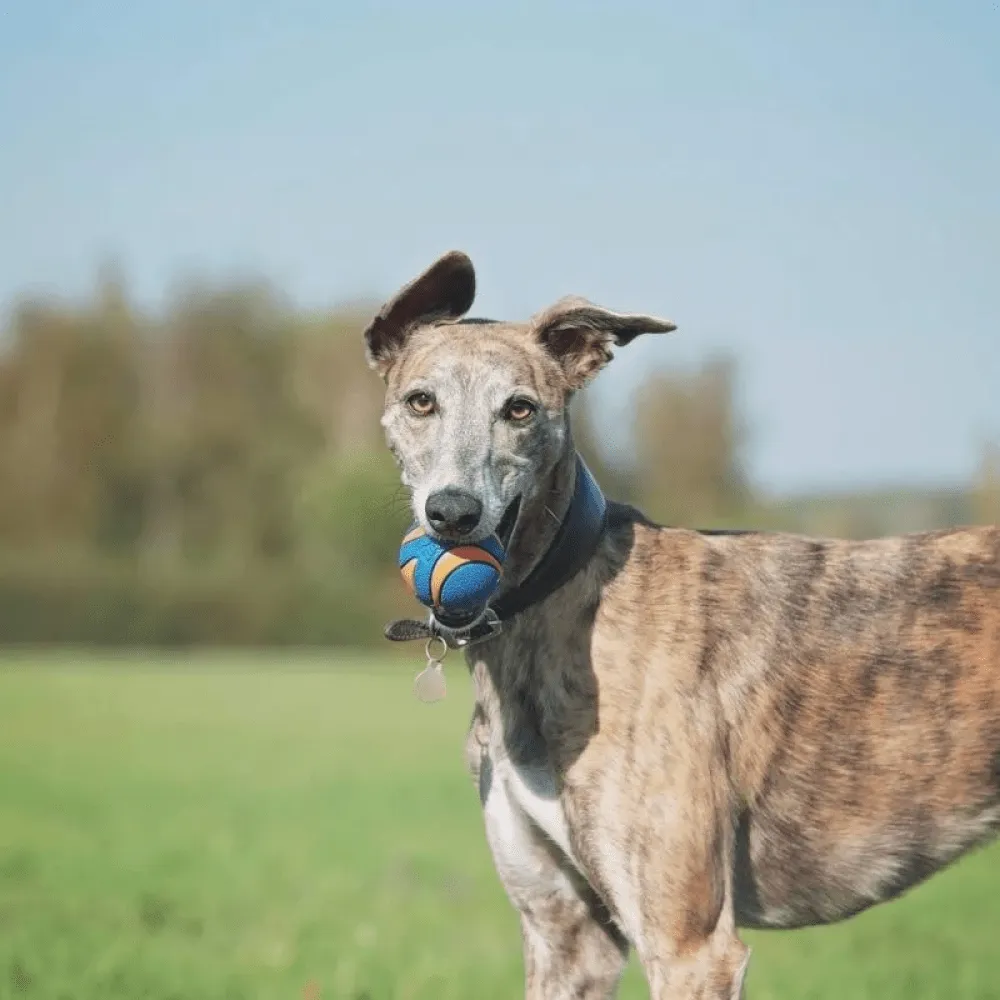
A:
(530, 793)
(521, 793)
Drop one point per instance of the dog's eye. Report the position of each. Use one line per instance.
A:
(520, 410)
(421, 403)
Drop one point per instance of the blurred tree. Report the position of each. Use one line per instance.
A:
(689, 442)
(336, 384)
(240, 434)
(70, 402)
(616, 477)
(353, 514)
(986, 492)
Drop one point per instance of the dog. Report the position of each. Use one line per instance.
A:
(695, 732)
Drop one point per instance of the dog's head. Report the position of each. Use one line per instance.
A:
(476, 410)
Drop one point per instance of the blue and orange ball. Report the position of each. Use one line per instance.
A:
(455, 579)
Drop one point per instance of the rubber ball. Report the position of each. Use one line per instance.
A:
(453, 578)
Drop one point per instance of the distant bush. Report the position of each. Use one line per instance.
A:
(79, 602)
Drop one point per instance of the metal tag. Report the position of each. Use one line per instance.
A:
(429, 685)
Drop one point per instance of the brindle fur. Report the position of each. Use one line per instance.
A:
(700, 731)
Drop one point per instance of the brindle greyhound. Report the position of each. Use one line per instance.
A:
(696, 732)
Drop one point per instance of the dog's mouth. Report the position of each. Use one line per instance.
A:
(505, 529)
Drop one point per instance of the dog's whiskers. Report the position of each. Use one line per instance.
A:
(399, 501)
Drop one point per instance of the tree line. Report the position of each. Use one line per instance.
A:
(215, 473)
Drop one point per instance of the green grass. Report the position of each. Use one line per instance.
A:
(274, 827)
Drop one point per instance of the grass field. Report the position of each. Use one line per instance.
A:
(285, 827)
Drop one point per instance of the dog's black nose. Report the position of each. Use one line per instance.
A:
(453, 511)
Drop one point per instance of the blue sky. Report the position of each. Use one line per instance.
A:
(815, 188)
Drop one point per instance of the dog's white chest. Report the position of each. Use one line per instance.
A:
(531, 792)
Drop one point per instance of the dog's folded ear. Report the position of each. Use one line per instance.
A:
(580, 335)
(445, 290)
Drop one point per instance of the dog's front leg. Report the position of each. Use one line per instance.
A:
(568, 954)
(713, 969)
(686, 938)
(571, 950)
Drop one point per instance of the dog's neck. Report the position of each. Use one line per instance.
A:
(540, 519)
